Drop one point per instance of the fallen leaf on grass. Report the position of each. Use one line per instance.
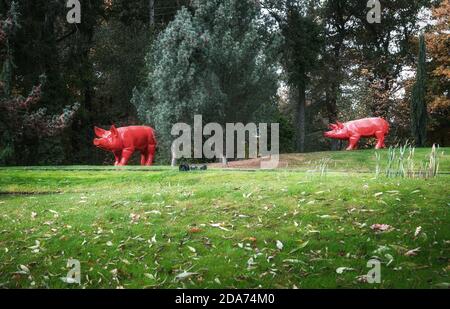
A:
(134, 218)
(184, 275)
(279, 245)
(412, 252)
(25, 269)
(192, 249)
(68, 280)
(390, 258)
(381, 249)
(418, 230)
(219, 225)
(247, 195)
(153, 240)
(341, 270)
(150, 276)
(36, 247)
(303, 245)
(444, 285)
(195, 230)
(153, 212)
(55, 213)
(381, 227)
(251, 263)
(294, 261)
(362, 279)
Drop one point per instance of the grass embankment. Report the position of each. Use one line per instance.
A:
(223, 229)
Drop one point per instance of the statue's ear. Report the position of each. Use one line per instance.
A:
(114, 131)
(99, 132)
(333, 126)
(340, 125)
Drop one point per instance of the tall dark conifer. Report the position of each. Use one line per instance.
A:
(418, 103)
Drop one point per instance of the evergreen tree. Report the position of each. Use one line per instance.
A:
(418, 104)
(218, 61)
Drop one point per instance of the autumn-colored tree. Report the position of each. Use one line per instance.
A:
(20, 116)
(438, 45)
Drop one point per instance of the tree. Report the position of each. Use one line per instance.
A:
(300, 53)
(21, 117)
(302, 45)
(218, 61)
(418, 104)
(437, 39)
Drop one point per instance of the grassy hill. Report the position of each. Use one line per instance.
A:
(159, 228)
(360, 161)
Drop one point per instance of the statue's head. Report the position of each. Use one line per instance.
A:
(107, 140)
(338, 131)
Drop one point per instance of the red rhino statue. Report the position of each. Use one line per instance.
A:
(354, 130)
(123, 142)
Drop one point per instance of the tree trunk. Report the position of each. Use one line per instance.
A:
(331, 102)
(152, 13)
(300, 117)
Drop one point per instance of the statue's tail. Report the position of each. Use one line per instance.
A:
(153, 140)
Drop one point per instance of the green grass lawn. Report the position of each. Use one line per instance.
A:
(159, 228)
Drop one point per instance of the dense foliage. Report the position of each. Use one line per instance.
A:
(301, 63)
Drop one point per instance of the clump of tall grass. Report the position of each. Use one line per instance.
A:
(321, 167)
(400, 163)
(378, 164)
(430, 167)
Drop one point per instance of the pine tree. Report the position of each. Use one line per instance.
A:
(418, 104)
(217, 60)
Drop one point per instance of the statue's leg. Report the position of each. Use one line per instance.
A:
(144, 157)
(117, 157)
(126, 155)
(353, 142)
(150, 155)
(380, 140)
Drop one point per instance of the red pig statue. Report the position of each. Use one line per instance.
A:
(354, 130)
(123, 142)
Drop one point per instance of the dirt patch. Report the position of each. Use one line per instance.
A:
(29, 193)
(247, 164)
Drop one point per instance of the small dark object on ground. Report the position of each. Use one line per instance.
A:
(184, 168)
(187, 168)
